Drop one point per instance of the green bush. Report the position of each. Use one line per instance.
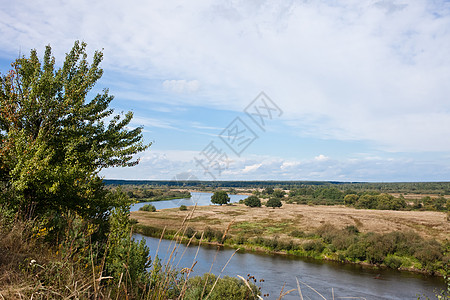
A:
(316, 246)
(278, 193)
(367, 201)
(189, 232)
(212, 234)
(252, 201)
(274, 202)
(351, 229)
(393, 262)
(429, 253)
(356, 251)
(297, 233)
(240, 239)
(350, 199)
(126, 255)
(148, 207)
(342, 242)
(230, 288)
(183, 207)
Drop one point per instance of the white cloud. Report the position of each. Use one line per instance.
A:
(289, 164)
(321, 157)
(166, 165)
(181, 86)
(374, 71)
(251, 168)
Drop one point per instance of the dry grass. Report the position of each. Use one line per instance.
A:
(281, 221)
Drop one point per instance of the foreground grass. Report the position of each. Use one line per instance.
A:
(73, 267)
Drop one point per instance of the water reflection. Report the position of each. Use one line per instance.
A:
(345, 280)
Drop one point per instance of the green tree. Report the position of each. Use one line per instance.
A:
(274, 202)
(125, 255)
(252, 201)
(386, 201)
(330, 193)
(54, 141)
(220, 197)
(278, 193)
(439, 203)
(268, 190)
(367, 201)
(148, 207)
(350, 199)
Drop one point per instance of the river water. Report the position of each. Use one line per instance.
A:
(344, 280)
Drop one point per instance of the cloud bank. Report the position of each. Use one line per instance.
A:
(372, 71)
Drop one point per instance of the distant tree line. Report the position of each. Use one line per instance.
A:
(442, 188)
(369, 199)
(145, 192)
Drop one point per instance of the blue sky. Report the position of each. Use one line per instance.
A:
(362, 87)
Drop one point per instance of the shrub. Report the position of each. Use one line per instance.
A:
(200, 287)
(316, 246)
(189, 232)
(183, 207)
(268, 190)
(126, 255)
(342, 242)
(350, 199)
(274, 202)
(393, 262)
(356, 251)
(148, 207)
(211, 234)
(352, 229)
(429, 253)
(240, 239)
(278, 193)
(297, 233)
(252, 201)
(367, 201)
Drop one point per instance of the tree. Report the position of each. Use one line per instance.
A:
(268, 190)
(220, 197)
(278, 193)
(350, 199)
(274, 202)
(54, 142)
(252, 201)
(367, 201)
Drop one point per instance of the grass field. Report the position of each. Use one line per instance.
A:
(282, 221)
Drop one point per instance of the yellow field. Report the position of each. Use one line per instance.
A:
(281, 221)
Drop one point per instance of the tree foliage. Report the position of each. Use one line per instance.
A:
(278, 193)
(220, 197)
(54, 141)
(274, 202)
(252, 201)
(268, 190)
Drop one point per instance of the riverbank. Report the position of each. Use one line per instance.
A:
(321, 232)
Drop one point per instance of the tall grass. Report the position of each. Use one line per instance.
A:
(76, 267)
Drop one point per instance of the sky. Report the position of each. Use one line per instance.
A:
(263, 90)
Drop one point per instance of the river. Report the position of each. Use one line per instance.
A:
(345, 280)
